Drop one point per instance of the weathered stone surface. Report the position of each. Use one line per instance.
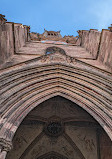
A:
(12, 37)
(105, 50)
(90, 41)
(6, 42)
(20, 33)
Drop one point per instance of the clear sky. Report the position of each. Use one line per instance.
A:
(65, 15)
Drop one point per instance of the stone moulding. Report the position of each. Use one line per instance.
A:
(29, 85)
(5, 145)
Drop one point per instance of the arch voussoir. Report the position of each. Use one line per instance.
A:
(21, 112)
(22, 95)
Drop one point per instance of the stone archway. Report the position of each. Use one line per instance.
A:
(80, 135)
(35, 84)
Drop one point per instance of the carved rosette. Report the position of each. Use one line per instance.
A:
(5, 145)
(54, 127)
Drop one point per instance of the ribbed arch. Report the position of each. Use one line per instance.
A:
(28, 87)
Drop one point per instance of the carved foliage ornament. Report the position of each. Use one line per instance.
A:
(57, 57)
(55, 54)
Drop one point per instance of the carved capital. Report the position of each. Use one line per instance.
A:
(2, 19)
(5, 145)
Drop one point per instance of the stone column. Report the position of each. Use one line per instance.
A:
(5, 146)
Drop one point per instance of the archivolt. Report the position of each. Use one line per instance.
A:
(24, 89)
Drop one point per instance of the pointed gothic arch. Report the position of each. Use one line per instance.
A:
(35, 84)
(58, 79)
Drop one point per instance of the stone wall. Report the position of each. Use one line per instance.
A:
(20, 33)
(12, 37)
(98, 44)
(90, 41)
(6, 41)
(105, 50)
(105, 146)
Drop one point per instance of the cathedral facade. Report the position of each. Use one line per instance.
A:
(55, 96)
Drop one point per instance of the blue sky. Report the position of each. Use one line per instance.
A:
(65, 15)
